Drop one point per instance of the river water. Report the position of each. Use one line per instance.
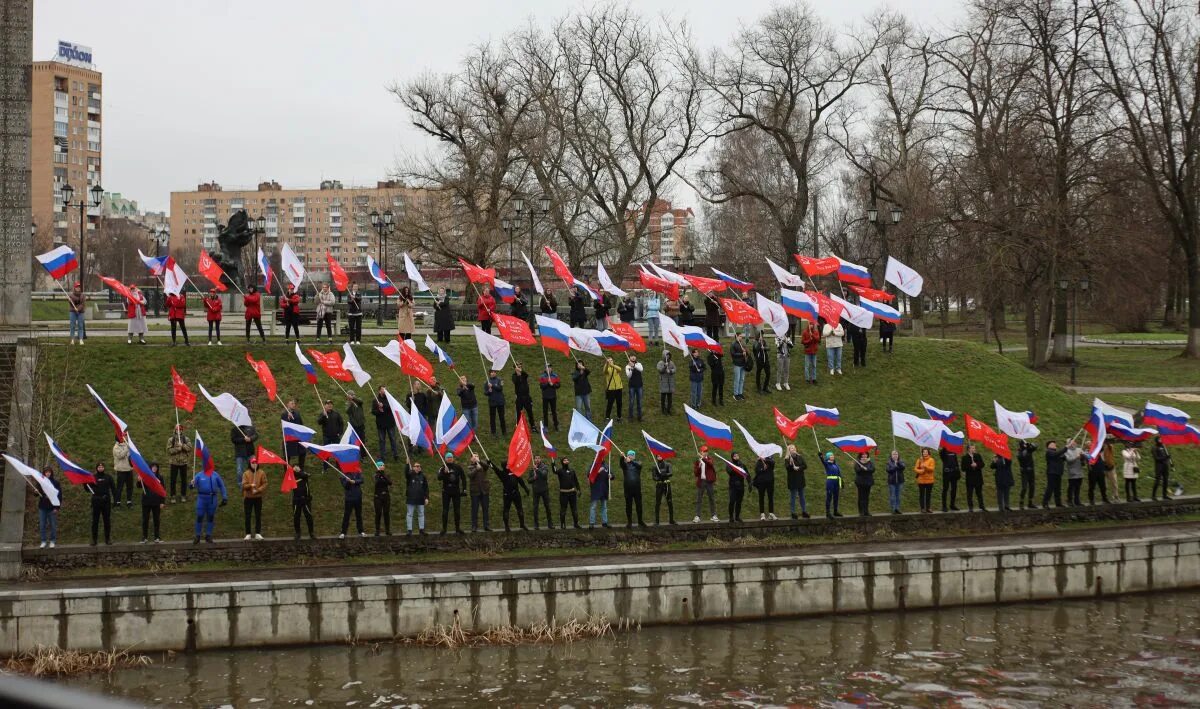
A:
(1131, 651)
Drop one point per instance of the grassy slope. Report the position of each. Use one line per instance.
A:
(135, 382)
(1125, 366)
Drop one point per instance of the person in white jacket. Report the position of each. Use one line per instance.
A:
(326, 304)
(1129, 470)
(834, 336)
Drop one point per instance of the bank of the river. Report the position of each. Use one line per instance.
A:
(1141, 650)
(786, 583)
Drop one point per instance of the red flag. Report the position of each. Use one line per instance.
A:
(340, 280)
(414, 365)
(184, 397)
(210, 270)
(332, 364)
(520, 450)
(560, 267)
(264, 375)
(786, 426)
(266, 457)
(829, 309)
(993, 440)
(872, 293)
(289, 481)
(739, 312)
(818, 266)
(626, 330)
(478, 274)
(706, 285)
(515, 330)
(118, 286)
(669, 289)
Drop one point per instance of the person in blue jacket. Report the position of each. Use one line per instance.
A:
(207, 488)
(833, 485)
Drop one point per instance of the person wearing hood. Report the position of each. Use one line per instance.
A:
(568, 493)
(382, 499)
(666, 382)
(301, 502)
(833, 485)
(539, 482)
(631, 470)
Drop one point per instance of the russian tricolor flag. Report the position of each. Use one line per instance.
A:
(1133, 435)
(350, 437)
(119, 426)
(75, 474)
(551, 451)
(59, 262)
(156, 264)
(854, 444)
(206, 461)
(734, 283)
(147, 477)
(952, 440)
(798, 305)
(456, 438)
(1096, 428)
(264, 267)
(605, 447)
(309, 372)
(853, 273)
(420, 433)
(445, 417)
(612, 342)
(556, 334)
(695, 338)
(441, 354)
(711, 431)
(381, 279)
(943, 415)
(347, 459)
(295, 433)
(823, 417)
(586, 289)
(1187, 435)
(657, 447)
(880, 310)
(1164, 416)
(505, 291)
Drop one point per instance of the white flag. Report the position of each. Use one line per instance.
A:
(537, 282)
(669, 275)
(46, 486)
(785, 279)
(854, 314)
(606, 283)
(229, 407)
(772, 314)
(903, 277)
(414, 275)
(174, 278)
(762, 450)
(584, 340)
(291, 266)
(926, 433)
(1015, 423)
(350, 364)
(399, 414)
(583, 433)
(492, 348)
(671, 332)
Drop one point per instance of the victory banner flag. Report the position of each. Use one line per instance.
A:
(118, 287)
(183, 396)
(514, 330)
(337, 274)
(267, 457)
(415, 365)
(210, 270)
(659, 285)
(263, 371)
(626, 330)
(992, 440)
(790, 427)
(827, 308)
(478, 274)
(560, 267)
(740, 312)
(520, 450)
(707, 286)
(872, 293)
(817, 266)
(332, 364)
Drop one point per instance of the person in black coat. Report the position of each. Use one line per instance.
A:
(796, 466)
(1055, 460)
(568, 493)
(951, 473)
(302, 502)
(601, 308)
(627, 310)
(887, 333)
(519, 308)
(578, 307)
(687, 311)
(1097, 472)
(548, 305)
(864, 480)
(293, 449)
(443, 316)
(764, 483)
(494, 389)
(583, 389)
(662, 489)
(102, 494)
(631, 470)
(331, 424)
(762, 363)
(1162, 467)
(520, 380)
(539, 482)
(737, 487)
(352, 502)
(972, 466)
(712, 318)
(1025, 451)
(416, 497)
(454, 484)
(1004, 483)
(549, 383)
(243, 439)
(385, 426)
(48, 511)
(152, 504)
(512, 486)
(383, 501)
(858, 343)
(716, 368)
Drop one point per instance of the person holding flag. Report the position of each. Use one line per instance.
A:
(494, 389)
(485, 305)
(737, 486)
(601, 486)
(583, 389)
(666, 382)
(796, 466)
(252, 305)
(705, 472)
(549, 383)
(326, 307)
(291, 418)
(480, 482)
(443, 316)
(539, 483)
(48, 510)
(764, 483)
(354, 315)
(382, 500)
(951, 474)
(972, 467)
(290, 304)
(76, 310)
(1162, 467)
(179, 455)
(521, 393)
(1055, 460)
(631, 470)
(212, 314)
(352, 501)
(454, 485)
(102, 494)
(254, 486)
(662, 481)
(177, 315)
(1025, 462)
(301, 501)
(152, 504)
(135, 313)
(416, 497)
(1130, 467)
(511, 484)
(568, 492)
(833, 485)
(207, 484)
(1004, 481)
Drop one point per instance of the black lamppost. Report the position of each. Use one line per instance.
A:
(509, 226)
(160, 234)
(1075, 288)
(882, 224)
(542, 210)
(97, 193)
(384, 224)
(258, 226)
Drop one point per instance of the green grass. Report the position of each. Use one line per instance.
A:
(1163, 335)
(1124, 366)
(135, 383)
(49, 310)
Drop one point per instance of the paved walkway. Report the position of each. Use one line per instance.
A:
(1133, 390)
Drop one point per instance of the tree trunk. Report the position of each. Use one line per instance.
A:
(1170, 314)
(1193, 288)
(1031, 332)
(916, 308)
(1043, 329)
(1062, 329)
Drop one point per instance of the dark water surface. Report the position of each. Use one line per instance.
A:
(1131, 651)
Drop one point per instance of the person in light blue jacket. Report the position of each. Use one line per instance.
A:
(653, 306)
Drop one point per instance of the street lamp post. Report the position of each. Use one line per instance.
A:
(384, 224)
(160, 234)
(258, 226)
(97, 193)
(509, 227)
(896, 214)
(1075, 288)
(542, 210)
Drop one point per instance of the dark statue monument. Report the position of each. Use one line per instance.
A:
(233, 237)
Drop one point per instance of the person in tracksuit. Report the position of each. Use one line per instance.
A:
(207, 488)
(539, 482)
(1025, 462)
(833, 485)
(662, 489)
(568, 493)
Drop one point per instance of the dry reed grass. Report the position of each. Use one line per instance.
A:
(455, 636)
(45, 661)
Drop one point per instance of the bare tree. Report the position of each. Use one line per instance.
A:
(1152, 68)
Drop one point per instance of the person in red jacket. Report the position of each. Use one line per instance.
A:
(486, 306)
(252, 303)
(810, 340)
(290, 303)
(135, 312)
(212, 313)
(177, 313)
(705, 471)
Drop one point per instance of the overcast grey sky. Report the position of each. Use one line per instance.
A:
(240, 91)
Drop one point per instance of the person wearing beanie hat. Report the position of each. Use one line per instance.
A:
(254, 485)
(382, 499)
(632, 485)
(705, 471)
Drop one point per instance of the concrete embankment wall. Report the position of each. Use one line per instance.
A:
(379, 608)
